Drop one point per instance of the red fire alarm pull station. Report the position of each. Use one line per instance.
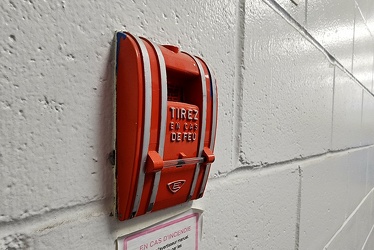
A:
(166, 104)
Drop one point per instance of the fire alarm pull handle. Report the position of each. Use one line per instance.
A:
(185, 161)
(155, 163)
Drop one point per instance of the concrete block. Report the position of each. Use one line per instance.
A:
(86, 226)
(370, 241)
(323, 199)
(331, 23)
(369, 18)
(370, 219)
(262, 217)
(346, 131)
(366, 7)
(83, 233)
(357, 165)
(16, 241)
(346, 239)
(369, 244)
(364, 220)
(332, 188)
(251, 209)
(363, 52)
(287, 91)
(296, 9)
(367, 125)
(370, 170)
(354, 232)
(57, 92)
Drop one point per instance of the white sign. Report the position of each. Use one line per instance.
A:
(179, 233)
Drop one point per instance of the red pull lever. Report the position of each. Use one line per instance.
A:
(155, 163)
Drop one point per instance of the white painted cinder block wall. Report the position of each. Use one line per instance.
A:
(295, 142)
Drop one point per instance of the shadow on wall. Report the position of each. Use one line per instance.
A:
(106, 137)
